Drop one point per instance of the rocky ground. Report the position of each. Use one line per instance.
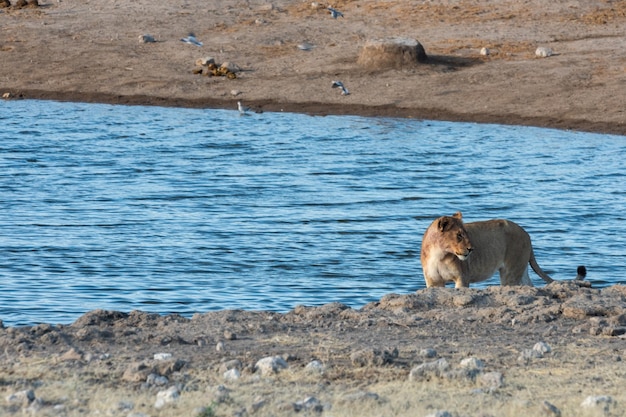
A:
(549, 351)
(500, 351)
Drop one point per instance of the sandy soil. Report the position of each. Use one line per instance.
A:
(88, 50)
(370, 361)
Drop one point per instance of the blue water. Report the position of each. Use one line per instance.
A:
(185, 210)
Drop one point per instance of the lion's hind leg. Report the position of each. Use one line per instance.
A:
(515, 277)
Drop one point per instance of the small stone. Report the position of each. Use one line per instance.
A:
(529, 354)
(600, 401)
(168, 396)
(543, 52)
(146, 38)
(437, 368)
(315, 367)
(492, 379)
(550, 409)
(542, 347)
(220, 394)
(232, 375)
(428, 353)
(6, 96)
(162, 356)
(157, 380)
(22, 397)
(311, 403)
(485, 51)
(204, 62)
(270, 365)
(257, 405)
(232, 364)
(219, 347)
(235, 93)
(472, 364)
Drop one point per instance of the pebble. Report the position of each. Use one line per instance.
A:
(438, 368)
(603, 401)
(157, 380)
(315, 367)
(493, 380)
(232, 375)
(168, 396)
(21, 397)
(472, 364)
(162, 356)
(428, 353)
(543, 52)
(550, 409)
(270, 365)
(310, 403)
(485, 52)
(542, 347)
(146, 38)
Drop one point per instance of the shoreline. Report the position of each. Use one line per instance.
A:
(327, 109)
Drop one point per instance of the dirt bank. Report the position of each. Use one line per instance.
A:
(90, 51)
(493, 352)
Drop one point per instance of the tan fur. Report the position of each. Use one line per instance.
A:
(465, 253)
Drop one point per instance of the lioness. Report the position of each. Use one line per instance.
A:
(473, 252)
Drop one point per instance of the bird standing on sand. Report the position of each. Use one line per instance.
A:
(339, 84)
(334, 12)
(191, 39)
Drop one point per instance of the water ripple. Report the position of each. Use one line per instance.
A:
(183, 210)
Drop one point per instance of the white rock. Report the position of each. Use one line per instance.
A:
(472, 364)
(168, 396)
(21, 397)
(232, 374)
(315, 367)
(597, 401)
(485, 51)
(542, 347)
(270, 365)
(162, 356)
(437, 367)
(543, 52)
(157, 380)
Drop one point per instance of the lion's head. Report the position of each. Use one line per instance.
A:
(453, 236)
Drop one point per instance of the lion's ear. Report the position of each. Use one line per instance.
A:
(458, 215)
(443, 224)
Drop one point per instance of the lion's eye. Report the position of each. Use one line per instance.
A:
(459, 237)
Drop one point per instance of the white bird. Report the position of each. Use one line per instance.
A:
(242, 109)
(339, 84)
(191, 39)
(334, 12)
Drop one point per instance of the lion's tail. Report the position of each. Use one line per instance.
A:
(535, 266)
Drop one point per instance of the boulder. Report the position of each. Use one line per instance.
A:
(393, 53)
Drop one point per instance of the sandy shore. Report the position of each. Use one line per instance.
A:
(549, 351)
(87, 50)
